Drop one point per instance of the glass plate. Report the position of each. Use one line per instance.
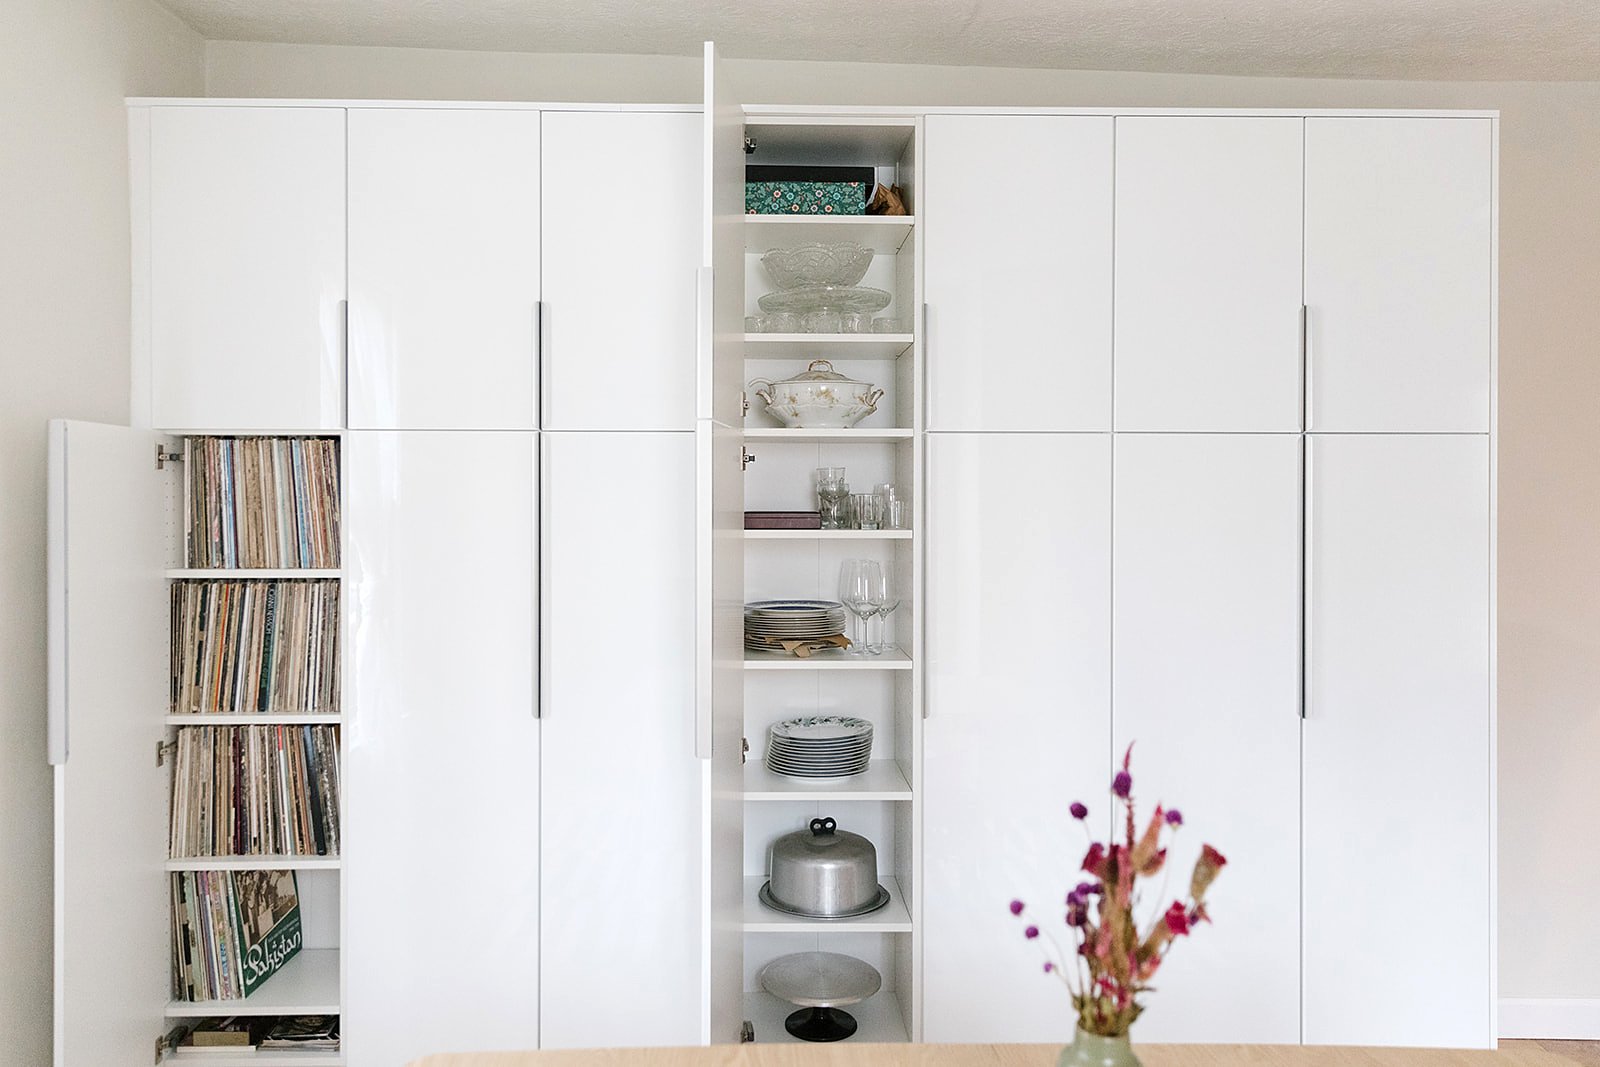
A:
(829, 297)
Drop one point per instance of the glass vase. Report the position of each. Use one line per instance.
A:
(1092, 1050)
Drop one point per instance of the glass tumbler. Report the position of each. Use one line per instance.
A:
(868, 511)
(823, 321)
(833, 498)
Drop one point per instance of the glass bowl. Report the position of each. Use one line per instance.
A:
(814, 263)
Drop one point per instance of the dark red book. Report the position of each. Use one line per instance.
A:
(782, 520)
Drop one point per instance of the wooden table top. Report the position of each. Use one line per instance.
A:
(1513, 1054)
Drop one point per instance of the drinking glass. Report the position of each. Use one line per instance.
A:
(868, 511)
(857, 578)
(883, 593)
(833, 497)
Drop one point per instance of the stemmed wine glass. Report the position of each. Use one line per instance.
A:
(884, 596)
(857, 578)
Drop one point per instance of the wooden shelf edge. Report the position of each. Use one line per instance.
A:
(307, 985)
(256, 863)
(226, 574)
(892, 918)
(884, 780)
(827, 661)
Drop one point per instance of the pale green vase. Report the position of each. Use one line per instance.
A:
(1092, 1050)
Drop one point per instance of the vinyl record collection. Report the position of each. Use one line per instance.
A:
(231, 931)
(255, 647)
(270, 790)
(262, 501)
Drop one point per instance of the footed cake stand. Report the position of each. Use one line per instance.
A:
(821, 983)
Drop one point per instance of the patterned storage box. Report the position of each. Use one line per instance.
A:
(807, 190)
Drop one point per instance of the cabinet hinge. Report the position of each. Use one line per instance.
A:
(170, 1040)
(747, 1033)
(744, 750)
(744, 403)
(162, 748)
(163, 457)
(749, 144)
(746, 457)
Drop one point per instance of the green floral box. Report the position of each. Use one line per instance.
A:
(805, 198)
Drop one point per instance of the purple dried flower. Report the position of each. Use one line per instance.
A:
(1048, 966)
(1174, 818)
(1031, 932)
(1077, 913)
(1016, 907)
(1078, 810)
(1087, 889)
(1122, 784)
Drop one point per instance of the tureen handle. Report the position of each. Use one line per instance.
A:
(872, 400)
(764, 394)
(820, 363)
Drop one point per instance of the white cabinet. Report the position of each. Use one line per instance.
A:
(441, 834)
(1207, 325)
(621, 244)
(244, 276)
(1206, 687)
(1399, 274)
(1018, 704)
(1017, 261)
(1398, 790)
(620, 787)
(444, 268)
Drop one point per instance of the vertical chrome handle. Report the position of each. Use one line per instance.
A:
(541, 584)
(704, 596)
(541, 387)
(344, 361)
(1307, 542)
(56, 580)
(704, 341)
(927, 365)
(1305, 368)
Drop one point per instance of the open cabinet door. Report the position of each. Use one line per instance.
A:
(719, 441)
(108, 622)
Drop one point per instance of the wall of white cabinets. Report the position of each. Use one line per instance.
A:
(1196, 415)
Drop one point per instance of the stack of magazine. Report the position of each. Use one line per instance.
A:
(262, 501)
(256, 791)
(231, 931)
(255, 647)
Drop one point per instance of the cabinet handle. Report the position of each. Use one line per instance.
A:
(1307, 513)
(541, 547)
(704, 341)
(541, 388)
(704, 597)
(344, 360)
(56, 569)
(927, 365)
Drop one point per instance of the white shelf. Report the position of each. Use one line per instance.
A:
(853, 436)
(267, 1058)
(884, 234)
(878, 1019)
(829, 346)
(256, 863)
(826, 660)
(882, 780)
(828, 535)
(307, 985)
(227, 574)
(232, 718)
(892, 918)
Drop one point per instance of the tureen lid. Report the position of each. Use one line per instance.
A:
(827, 374)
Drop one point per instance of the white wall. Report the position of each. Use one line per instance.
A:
(1549, 686)
(65, 66)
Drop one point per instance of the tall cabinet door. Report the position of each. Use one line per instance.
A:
(1398, 733)
(1206, 684)
(621, 247)
(1017, 641)
(109, 682)
(246, 267)
(1016, 220)
(1399, 274)
(620, 838)
(1208, 273)
(441, 831)
(444, 269)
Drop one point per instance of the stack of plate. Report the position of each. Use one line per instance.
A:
(819, 746)
(767, 622)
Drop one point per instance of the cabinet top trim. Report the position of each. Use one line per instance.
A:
(412, 105)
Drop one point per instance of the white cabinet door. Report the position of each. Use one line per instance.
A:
(1398, 743)
(620, 838)
(1017, 628)
(109, 681)
(1206, 684)
(1399, 273)
(1016, 218)
(444, 269)
(622, 237)
(1208, 266)
(441, 782)
(247, 267)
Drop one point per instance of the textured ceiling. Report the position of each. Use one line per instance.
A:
(1536, 40)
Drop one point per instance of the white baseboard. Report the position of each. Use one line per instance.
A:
(1555, 1019)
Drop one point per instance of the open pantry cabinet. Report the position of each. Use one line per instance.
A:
(120, 575)
(775, 473)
